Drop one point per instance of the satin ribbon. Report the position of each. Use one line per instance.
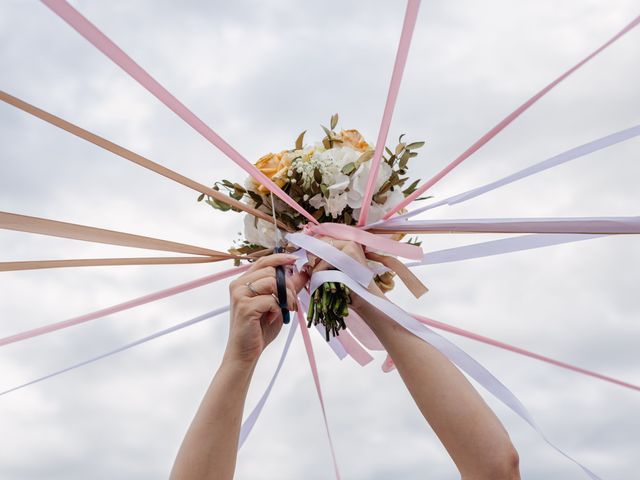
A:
(575, 225)
(522, 351)
(131, 156)
(148, 338)
(252, 418)
(120, 307)
(451, 351)
(413, 283)
(316, 380)
(375, 242)
(564, 157)
(504, 123)
(396, 78)
(499, 247)
(102, 262)
(92, 34)
(54, 228)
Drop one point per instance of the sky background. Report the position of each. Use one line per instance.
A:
(259, 73)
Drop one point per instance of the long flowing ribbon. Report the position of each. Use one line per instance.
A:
(252, 418)
(131, 156)
(505, 122)
(102, 262)
(498, 247)
(120, 307)
(54, 228)
(588, 225)
(316, 379)
(148, 338)
(92, 34)
(564, 157)
(396, 78)
(451, 351)
(522, 351)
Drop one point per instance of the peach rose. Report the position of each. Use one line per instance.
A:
(274, 166)
(354, 139)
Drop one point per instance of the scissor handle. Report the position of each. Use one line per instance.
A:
(281, 286)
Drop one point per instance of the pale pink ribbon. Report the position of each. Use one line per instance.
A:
(316, 379)
(90, 32)
(396, 78)
(375, 242)
(151, 297)
(504, 123)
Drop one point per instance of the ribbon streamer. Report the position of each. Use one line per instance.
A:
(522, 351)
(148, 338)
(252, 418)
(54, 228)
(92, 34)
(396, 78)
(131, 156)
(505, 122)
(498, 247)
(151, 297)
(101, 262)
(554, 161)
(588, 225)
(316, 379)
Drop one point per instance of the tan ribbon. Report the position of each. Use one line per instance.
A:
(413, 283)
(132, 156)
(23, 223)
(97, 262)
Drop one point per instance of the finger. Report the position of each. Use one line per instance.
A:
(273, 261)
(269, 285)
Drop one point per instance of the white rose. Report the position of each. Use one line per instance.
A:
(259, 231)
(359, 182)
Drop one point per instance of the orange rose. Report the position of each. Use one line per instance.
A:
(354, 139)
(274, 166)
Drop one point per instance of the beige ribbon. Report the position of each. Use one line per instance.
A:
(97, 262)
(413, 283)
(132, 156)
(43, 226)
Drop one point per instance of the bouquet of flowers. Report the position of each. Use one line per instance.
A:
(328, 179)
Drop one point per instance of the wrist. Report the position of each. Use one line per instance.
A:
(240, 363)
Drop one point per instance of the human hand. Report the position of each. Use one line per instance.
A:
(255, 318)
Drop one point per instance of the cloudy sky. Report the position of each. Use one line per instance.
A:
(259, 73)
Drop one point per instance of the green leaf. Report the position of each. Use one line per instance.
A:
(334, 120)
(299, 140)
(411, 188)
(388, 151)
(201, 197)
(415, 145)
(324, 189)
(400, 138)
(399, 148)
(227, 184)
(349, 168)
(317, 175)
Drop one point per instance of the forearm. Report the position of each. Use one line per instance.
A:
(468, 429)
(209, 448)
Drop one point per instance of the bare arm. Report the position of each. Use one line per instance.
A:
(472, 434)
(209, 449)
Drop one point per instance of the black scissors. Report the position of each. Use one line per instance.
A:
(281, 279)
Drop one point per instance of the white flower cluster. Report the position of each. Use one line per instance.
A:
(344, 190)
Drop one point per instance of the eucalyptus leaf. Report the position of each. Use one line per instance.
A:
(415, 145)
(299, 140)
(201, 197)
(334, 120)
(349, 168)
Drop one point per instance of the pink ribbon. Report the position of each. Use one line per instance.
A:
(90, 32)
(396, 78)
(504, 123)
(316, 379)
(375, 242)
(151, 297)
